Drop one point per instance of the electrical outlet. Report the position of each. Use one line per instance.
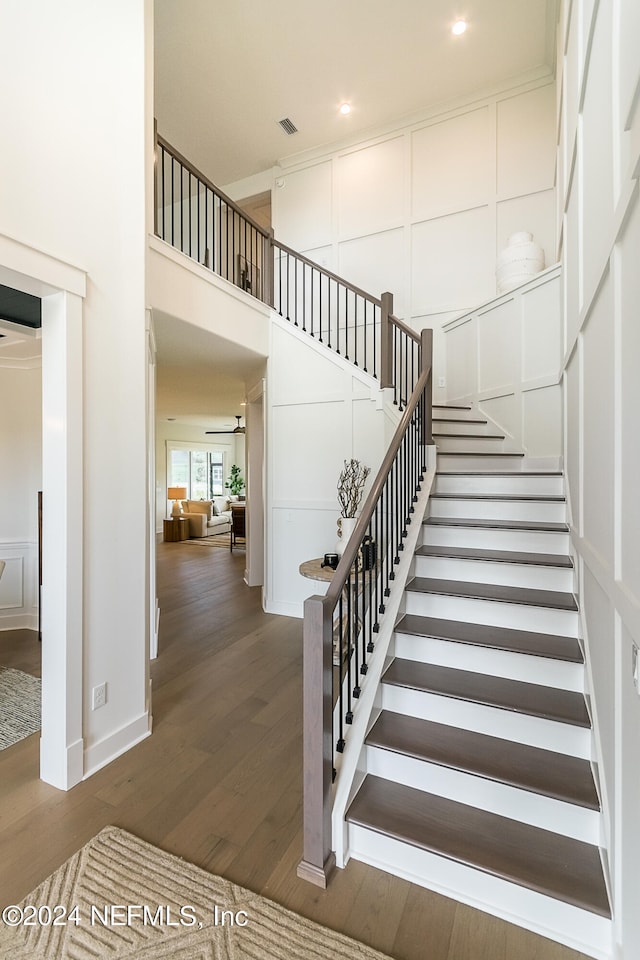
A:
(442, 382)
(99, 696)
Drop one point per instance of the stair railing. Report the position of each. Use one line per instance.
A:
(198, 219)
(340, 628)
(338, 314)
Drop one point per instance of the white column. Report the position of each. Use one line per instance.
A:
(61, 745)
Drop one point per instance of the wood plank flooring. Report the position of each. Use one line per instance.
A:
(220, 782)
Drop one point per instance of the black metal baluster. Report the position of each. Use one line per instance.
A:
(337, 317)
(181, 208)
(311, 305)
(379, 556)
(353, 640)
(190, 202)
(341, 712)
(172, 202)
(396, 485)
(373, 569)
(164, 232)
(288, 284)
(375, 327)
(346, 323)
(366, 304)
(355, 330)
(347, 654)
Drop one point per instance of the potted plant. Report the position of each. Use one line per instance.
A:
(234, 482)
(350, 489)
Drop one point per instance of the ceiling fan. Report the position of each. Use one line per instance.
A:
(236, 430)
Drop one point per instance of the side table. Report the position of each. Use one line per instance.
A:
(175, 528)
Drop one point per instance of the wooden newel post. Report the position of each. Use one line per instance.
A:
(386, 341)
(318, 860)
(426, 353)
(268, 272)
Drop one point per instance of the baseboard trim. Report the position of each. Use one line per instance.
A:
(284, 608)
(65, 774)
(19, 621)
(102, 753)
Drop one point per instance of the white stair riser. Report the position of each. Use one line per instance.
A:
(497, 663)
(463, 426)
(487, 484)
(468, 445)
(484, 464)
(522, 541)
(493, 612)
(488, 571)
(495, 796)
(578, 929)
(537, 511)
(519, 727)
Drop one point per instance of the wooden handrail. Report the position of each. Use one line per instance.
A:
(353, 545)
(327, 273)
(318, 859)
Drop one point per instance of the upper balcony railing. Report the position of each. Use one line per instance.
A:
(198, 219)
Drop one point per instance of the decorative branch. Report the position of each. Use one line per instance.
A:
(351, 486)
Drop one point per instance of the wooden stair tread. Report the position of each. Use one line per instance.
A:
(555, 599)
(471, 436)
(476, 453)
(519, 765)
(456, 420)
(506, 497)
(496, 556)
(544, 526)
(448, 406)
(550, 703)
(511, 473)
(560, 867)
(549, 645)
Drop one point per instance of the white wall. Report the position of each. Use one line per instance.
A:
(599, 214)
(21, 479)
(506, 357)
(321, 411)
(424, 210)
(77, 154)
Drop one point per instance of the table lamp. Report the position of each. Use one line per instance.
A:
(177, 494)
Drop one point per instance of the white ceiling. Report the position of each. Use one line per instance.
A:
(200, 377)
(226, 72)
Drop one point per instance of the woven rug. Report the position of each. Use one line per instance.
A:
(132, 900)
(220, 540)
(20, 696)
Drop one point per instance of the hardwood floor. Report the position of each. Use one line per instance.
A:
(220, 783)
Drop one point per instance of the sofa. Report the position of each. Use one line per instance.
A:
(207, 518)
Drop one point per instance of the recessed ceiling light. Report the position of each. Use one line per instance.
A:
(345, 109)
(459, 28)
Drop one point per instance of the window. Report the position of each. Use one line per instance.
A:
(200, 470)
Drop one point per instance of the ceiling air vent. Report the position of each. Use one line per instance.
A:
(288, 126)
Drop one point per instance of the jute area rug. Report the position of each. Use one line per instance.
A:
(20, 696)
(121, 897)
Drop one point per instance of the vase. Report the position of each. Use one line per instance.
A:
(346, 526)
(520, 260)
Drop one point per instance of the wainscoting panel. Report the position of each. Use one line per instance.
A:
(19, 586)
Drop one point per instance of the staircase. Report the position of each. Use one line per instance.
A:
(478, 776)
